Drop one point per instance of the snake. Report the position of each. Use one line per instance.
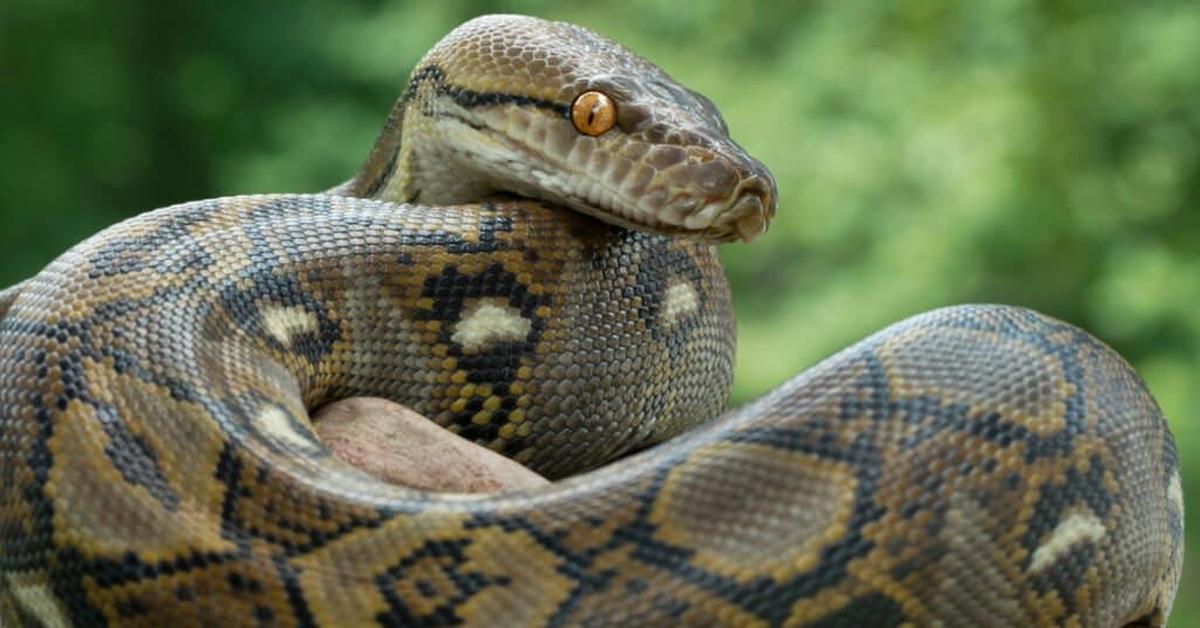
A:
(528, 258)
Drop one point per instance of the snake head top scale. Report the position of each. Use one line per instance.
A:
(550, 110)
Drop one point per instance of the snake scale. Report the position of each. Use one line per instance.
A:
(976, 465)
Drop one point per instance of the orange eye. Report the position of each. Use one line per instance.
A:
(593, 113)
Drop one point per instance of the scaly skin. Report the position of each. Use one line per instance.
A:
(979, 465)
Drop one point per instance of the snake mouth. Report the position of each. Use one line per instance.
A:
(744, 215)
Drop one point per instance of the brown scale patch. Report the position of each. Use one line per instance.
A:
(800, 504)
(100, 513)
(977, 580)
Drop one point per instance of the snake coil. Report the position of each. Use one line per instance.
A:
(978, 465)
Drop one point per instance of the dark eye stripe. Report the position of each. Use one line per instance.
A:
(469, 99)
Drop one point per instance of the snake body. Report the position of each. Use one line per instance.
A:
(977, 465)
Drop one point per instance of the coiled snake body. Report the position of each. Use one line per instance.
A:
(978, 465)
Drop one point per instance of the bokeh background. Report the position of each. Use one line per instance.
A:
(1045, 154)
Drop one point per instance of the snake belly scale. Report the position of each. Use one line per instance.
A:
(977, 465)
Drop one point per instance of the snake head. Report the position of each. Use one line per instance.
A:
(514, 104)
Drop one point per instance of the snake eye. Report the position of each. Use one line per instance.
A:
(593, 113)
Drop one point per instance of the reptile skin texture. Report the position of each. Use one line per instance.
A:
(971, 466)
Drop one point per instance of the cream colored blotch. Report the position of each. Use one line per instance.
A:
(1079, 527)
(1175, 492)
(285, 322)
(273, 422)
(37, 598)
(681, 300)
(489, 321)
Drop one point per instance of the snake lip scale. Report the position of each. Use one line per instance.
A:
(974, 465)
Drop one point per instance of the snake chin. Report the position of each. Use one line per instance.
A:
(745, 216)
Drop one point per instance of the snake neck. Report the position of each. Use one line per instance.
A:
(408, 163)
(385, 171)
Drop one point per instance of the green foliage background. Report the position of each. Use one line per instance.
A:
(928, 153)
